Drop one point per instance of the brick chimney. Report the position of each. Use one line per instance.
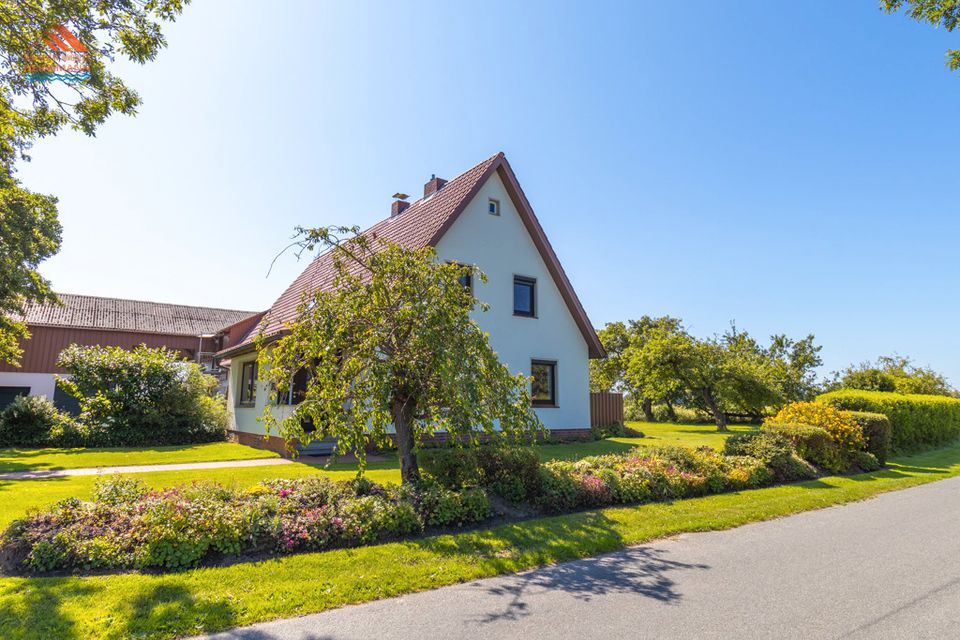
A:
(433, 185)
(399, 204)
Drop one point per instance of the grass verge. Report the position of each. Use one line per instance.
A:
(38, 459)
(161, 606)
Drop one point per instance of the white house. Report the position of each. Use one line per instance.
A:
(536, 324)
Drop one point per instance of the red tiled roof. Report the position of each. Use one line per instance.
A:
(115, 314)
(421, 225)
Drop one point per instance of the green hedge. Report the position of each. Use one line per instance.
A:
(876, 431)
(917, 421)
(813, 444)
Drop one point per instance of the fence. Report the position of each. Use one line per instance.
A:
(606, 409)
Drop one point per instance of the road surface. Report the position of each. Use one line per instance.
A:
(885, 568)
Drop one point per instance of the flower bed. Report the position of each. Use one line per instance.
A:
(127, 527)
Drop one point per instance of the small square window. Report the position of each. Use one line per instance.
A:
(543, 388)
(524, 297)
(493, 207)
(248, 384)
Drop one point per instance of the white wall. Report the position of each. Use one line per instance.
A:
(246, 418)
(41, 384)
(501, 247)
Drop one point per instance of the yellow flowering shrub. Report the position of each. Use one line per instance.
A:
(840, 425)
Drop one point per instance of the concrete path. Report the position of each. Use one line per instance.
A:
(142, 468)
(885, 568)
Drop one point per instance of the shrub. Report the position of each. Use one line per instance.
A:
(876, 431)
(439, 506)
(28, 422)
(615, 430)
(775, 450)
(843, 429)
(866, 461)
(511, 472)
(142, 397)
(118, 490)
(813, 444)
(558, 488)
(451, 467)
(916, 421)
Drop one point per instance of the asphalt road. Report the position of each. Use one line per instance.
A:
(885, 568)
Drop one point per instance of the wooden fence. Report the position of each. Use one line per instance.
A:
(606, 409)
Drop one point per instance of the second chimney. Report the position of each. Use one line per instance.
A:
(399, 205)
(433, 185)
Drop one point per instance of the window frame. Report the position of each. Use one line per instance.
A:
(247, 392)
(552, 402)
(532, 282)
(496, 206)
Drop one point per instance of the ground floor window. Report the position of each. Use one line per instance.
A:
(543, 389)
(248, 384)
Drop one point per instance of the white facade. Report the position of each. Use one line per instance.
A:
(502, 248)
(40, 384)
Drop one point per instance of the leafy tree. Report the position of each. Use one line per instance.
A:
(893, 373)
(392, 343)
(939, 13)
(142, 396)
(31, 109)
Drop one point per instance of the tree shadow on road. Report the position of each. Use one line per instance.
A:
(642, 571)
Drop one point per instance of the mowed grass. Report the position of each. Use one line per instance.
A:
(208, 599)
(39, 459)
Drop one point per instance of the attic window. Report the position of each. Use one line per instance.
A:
(493, 207)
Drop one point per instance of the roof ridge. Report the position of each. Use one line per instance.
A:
(168, 304)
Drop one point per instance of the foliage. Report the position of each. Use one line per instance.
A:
(391, 343)
(31, 421)
(661, 473)
(510, 472)
(603, 431)
(865, 461)
(774, 450)
(126, 526)
(142, 397)
(31, 109)
(916, 420)
(732, 373)
(812, 444)
(939, 13)
(843, 429)
(893, 373)
(877, 431)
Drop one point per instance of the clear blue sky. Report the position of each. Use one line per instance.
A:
(789, 166)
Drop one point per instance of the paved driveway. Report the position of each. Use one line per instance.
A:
(884, 568)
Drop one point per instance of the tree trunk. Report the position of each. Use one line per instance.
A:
(646, 405)
(403, 425)
(719, 417)
(671, 414)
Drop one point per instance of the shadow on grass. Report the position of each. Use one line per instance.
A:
(168, 609)
(32, 609)
(641, 571)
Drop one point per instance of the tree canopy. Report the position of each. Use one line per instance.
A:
(391, 345)
(893, 373)
(939, 13)
(33, 108)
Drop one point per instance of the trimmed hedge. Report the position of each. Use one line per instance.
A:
(513, 473)
(774, 450)
(813, 444)
(876, 431)
(917, 420)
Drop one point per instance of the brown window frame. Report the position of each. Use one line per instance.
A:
(247, 393)
(550, 402)
(532, 282)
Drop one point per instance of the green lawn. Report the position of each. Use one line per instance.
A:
(688, 435)
(37, 459)
(189, 602)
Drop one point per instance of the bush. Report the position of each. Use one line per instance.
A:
(615, 430)
(774, 450)
(843, 429)
(876, 431)
(917, 421)
(142, 397)
(866, 461)
(125, 526)
(29, 421)
(451, 467)
(511, 472)
(813, 444)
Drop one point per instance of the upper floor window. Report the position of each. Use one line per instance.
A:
(524, 296)
(493, 207)
(543, 389)
(248, 384)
